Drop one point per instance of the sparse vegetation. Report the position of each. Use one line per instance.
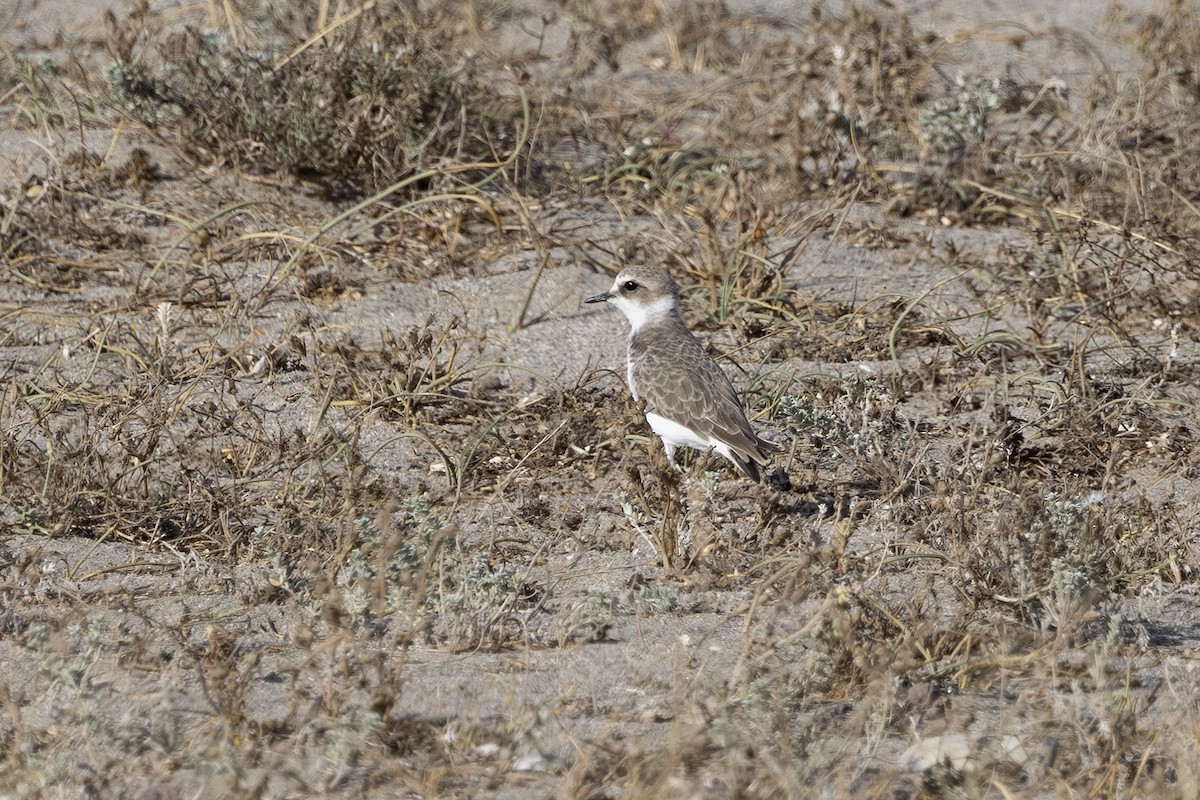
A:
(296, 477)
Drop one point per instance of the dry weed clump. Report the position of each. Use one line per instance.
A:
(377, 100)
(864, 102)
(150, 470)
(43, 94)
(419, 375)
(66, 232)
(806, 103)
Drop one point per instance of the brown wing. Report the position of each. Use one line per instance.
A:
(709, 404)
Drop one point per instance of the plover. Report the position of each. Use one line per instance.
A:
(689, 401)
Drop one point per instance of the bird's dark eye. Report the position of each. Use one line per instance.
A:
(630, 286)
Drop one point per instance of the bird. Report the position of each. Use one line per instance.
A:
(689, 400)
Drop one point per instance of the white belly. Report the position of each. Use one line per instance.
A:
(674, 434)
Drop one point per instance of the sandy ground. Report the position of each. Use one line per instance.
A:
(108, 649)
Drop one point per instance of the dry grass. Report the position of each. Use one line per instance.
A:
(987, 473)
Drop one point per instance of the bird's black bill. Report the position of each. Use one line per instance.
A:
(600, 298)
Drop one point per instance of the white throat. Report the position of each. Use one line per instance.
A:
(641, 315)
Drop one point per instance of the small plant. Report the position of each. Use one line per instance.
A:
(958, 123)
(802, 412)
(423, 365)
(66, 672)
(860, 425)
(415, 375)
(423, 579)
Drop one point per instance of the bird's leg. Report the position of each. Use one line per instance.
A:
(668, 534)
